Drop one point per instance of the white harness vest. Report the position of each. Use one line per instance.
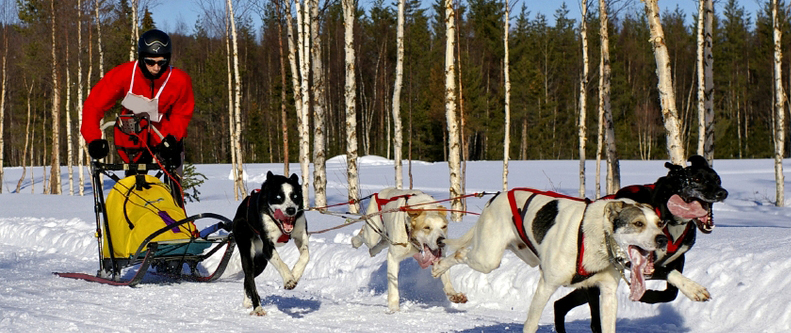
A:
(140, 104)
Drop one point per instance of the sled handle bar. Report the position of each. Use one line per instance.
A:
(105, 125)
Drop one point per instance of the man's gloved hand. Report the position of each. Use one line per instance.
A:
(98, 149)
(170, 150)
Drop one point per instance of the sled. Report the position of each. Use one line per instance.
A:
(142, 226)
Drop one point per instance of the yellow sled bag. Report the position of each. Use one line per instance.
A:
(138, 208)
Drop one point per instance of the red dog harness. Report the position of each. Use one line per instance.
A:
(382, 202)
(518, 219)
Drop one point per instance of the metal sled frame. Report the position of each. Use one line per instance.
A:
(151, 254)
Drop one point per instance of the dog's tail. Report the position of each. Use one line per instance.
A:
(458, 243)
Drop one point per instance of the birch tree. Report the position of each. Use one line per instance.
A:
(99, 41)
(780, 99)
(55, 158)
(705, 81)
(237, 106)
(613, 165)
(69, 143)
(3, 81)
(133, 36)
(231, 116)
(295, 83)
(667, 97)
(507, 78)
(303, 25)
(351, 115)
(583, 130)
(399, 76)
(283, 110)
(81, 140)
(454, 163)
(319, 110)
(28, 135)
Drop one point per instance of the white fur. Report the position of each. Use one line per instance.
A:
(394, 226)
(483, 246)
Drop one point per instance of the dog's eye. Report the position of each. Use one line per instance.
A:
(639, 224)
(426, 228)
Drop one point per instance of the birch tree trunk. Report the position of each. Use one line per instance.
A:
(237, 104)
(283, 110)
(780, 98)
(454, 163)
(603, 34)
(667, 97)
(80, 139)
(706, 129)
(28, 135)
(99, 41)
(583, 129)
(613, 165)
(701, 80)
(69, 143)
(295, 74)
(231, 116)
(351, 114)
(3, 80)
(55, 158)
(398, 140)
(319, 110)
(303, 27)
(134, 31)
(507, 78)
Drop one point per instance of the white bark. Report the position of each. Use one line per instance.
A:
(237, 104)
(134, 31)
(99, 41)
(349, 9)
(283, 110)
(454, 163)
(708, 69)
(780, 98)
(28, 136)
(231, 116)
(319, 110)
(81, 140)
(3, 80)
(304, 59)
(582, 127)
(613, 168)
(69, 144)
(55, 158)
(507, 78)
(667, 97)
(295, 74)
(399, 74)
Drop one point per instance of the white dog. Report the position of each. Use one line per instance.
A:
(418, 231)
(574, 242)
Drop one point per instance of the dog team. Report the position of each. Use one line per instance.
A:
(579, 243)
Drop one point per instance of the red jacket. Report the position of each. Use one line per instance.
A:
(176, 102)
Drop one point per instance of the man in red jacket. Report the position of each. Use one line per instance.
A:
(149, 85)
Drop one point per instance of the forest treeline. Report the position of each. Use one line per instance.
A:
(545, 70)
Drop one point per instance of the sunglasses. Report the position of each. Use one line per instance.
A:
(152, 62)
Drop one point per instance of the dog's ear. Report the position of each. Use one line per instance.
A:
(613, 210)
(673, 167)
(414, 214)
(269, 174)
(294, 178)
(698, 162)
(442, 211)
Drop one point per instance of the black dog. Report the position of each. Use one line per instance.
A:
(266, 219)
(684, 195)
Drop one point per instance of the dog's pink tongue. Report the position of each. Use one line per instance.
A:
(286, 221)
(638, 280)
(425, 258)
(682, 209)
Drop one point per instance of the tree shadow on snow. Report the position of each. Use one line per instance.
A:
(414, 284)
(504, 327)
(292, 306)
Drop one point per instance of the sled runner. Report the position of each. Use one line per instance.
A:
(142, 223)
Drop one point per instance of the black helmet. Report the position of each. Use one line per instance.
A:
(153, 43)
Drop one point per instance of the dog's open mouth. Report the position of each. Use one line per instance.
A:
(642, 264)
(427, 256)
(695, 210)
(286, 221)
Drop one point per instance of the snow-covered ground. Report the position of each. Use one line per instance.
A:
(744, 263)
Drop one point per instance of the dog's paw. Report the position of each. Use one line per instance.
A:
(259, 311)
(247, 302)
(460, 298)
(437, 269)
(695, 291)
(290, 284)
(357, 241)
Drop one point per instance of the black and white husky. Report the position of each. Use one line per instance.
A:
(266, 219)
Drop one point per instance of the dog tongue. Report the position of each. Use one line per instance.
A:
(639, 265)
(680, 208)
(286, 221)
(425, 258)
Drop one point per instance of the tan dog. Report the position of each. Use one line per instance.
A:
(418, 232)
